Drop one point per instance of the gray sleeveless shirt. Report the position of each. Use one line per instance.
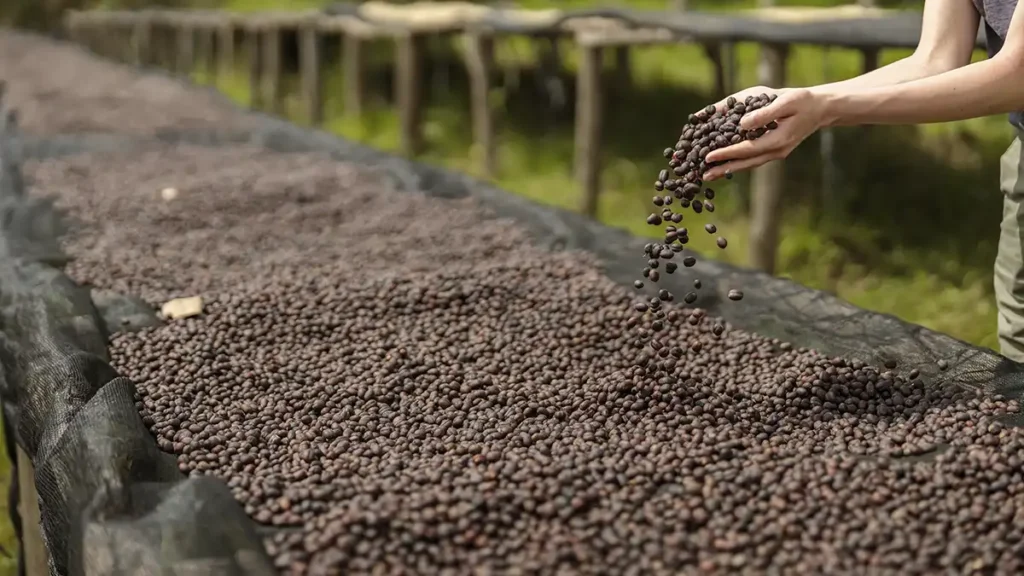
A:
(996, 15)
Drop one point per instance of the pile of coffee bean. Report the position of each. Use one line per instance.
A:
(680, 185)
(403, 385)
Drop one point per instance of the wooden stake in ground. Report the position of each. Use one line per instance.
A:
(352, 74)
(480, 63)
(588, 127)
(409, 88)
(312, 84)
(766, 195)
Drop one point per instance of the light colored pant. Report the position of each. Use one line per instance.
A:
(1009, 268)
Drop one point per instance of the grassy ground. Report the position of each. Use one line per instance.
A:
(907, 225)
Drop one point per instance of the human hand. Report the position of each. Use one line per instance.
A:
(798, 112)
(755, 91)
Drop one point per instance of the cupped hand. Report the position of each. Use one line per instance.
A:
(755, 91)
(799, 112)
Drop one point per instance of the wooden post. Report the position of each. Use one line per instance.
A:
(409, 91)
(141, 35)
(480, 64)
(272, 94)
(714, 52)
(728, 57)
(204, 41)
(766, 201)
(226, 49)
(254, 52)
(869, 59)
(623, 70)
(588, 127)
(36, 562)
(186, 49)
(352, 74)
(312, 85)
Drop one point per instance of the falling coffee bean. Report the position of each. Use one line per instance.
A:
(722, 242)
(735, 295)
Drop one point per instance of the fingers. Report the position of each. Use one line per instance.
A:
(746, 149)
(738, 165)
(777, 110)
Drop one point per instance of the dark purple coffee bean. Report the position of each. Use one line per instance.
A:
(735, 295)
(710, 228)
(709, 193)
(638, 284)
(697, 284)
(690, 297)
(654, 220)
(722, 242)
(689, 261)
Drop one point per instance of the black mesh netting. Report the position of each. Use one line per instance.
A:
(113, 503)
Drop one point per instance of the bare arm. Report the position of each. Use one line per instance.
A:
(949, 29)
(994, 86)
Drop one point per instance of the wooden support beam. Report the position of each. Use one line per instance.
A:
(352, 71)
(714, 53)
(226, 49)
(767, 181)
(34, 550)
(185, 59)
(409, 91)
(480, 66)
(254, 53)
(623, 70)
(205, 47)
(273, 95)
(142, 32)
(310, 55)
(588, 127)
(869, 59)
(728, 56)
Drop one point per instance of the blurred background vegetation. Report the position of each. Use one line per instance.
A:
(904, 220)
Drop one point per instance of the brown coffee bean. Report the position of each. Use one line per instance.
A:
(735, 295)
(722, 242)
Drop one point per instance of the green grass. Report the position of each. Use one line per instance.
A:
(8, 540)
(908, 227)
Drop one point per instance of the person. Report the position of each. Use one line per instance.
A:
(937, 83)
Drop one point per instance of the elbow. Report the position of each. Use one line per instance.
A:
(938, 60)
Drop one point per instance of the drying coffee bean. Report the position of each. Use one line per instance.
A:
(638, 284)
(666, 254)
(677, 218)
(710, 228)
(658, 186)
(654, 276)
(718, 329)
(654, 262)
(646, 272)
(709, 193)
(664, 295)
(654, 219)
(668, 152)
(772, 125)
(943, 365)
(666, 214)
(662, 176)
(890, 364)
(722, 242)
(640, 307)
(666, 200)
(709, 206)
(689, 261)
(730, 102)
(914, 374)
(696, 284)
(690, 297)
(658, 201)
(735, 295)
(670, 267)
(698, 206)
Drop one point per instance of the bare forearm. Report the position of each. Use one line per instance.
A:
(911, 68)
(985, 88)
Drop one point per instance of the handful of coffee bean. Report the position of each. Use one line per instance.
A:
(681, 185)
